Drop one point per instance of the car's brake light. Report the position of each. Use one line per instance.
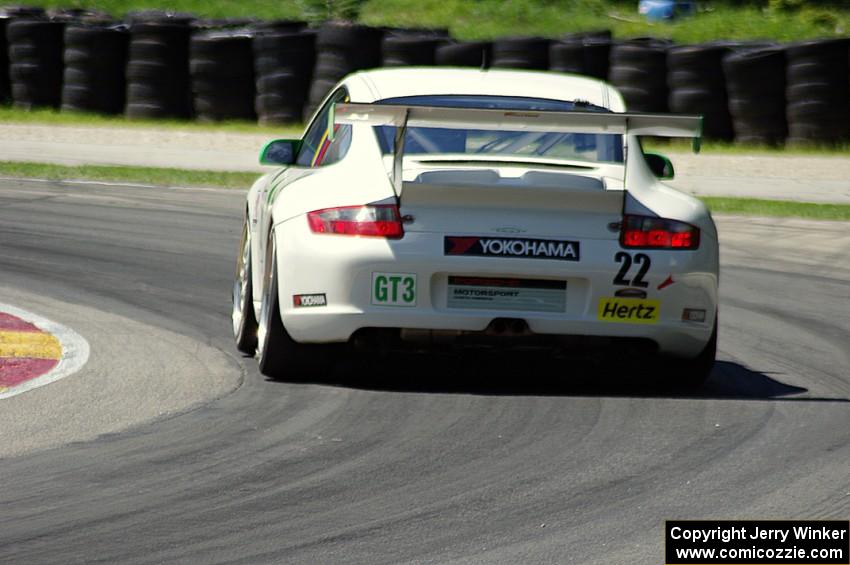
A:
(658, 233)
(381, 220)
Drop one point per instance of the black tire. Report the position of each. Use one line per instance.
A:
(755, 67)
(521, 53)
(244, 320)
(756, 109)
(803, 91)
(566, 57)
(691, 374)
(646, 77)
(468, 54)
(278, 355)
(280, 26)
(597, 52)
(409, 50)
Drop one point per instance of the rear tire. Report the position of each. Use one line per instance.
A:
(278, 355)
(691, 374)
(244, 320)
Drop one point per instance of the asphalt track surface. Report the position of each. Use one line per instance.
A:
(169, 447)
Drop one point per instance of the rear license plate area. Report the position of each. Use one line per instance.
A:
(506, 293)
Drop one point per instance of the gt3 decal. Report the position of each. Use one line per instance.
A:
(641, 259)
(520, 247)
(394, 289)
(628, 310)
(309, 300)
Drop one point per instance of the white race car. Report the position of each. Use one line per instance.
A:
(447, 206)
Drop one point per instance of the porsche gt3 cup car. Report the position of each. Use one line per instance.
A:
(460, 206)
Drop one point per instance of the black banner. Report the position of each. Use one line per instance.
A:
(757, 542)
(519, 247)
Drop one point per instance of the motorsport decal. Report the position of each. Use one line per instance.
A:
(520, 247)
(486, 293)
(628, 310)
(308, 300)
(35, 351)
(394, 289)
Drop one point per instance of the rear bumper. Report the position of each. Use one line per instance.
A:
(342, 268)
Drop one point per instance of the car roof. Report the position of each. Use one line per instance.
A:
(379, 84)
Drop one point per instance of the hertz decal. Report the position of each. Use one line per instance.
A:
(628, 310)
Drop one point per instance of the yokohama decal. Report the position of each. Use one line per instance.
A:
(512, 247)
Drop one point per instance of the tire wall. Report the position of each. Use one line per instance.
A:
(221, 67)
(35, 48)
(755, 86)
(95, 57)
(162, 64)
(818, 91)
(638, 69)
(584, 56)
(698, 86)
(158, 81)
(5, 85)
(409, 49)
(520, 53)
(464, 54)
(341, 49)
(283, 65)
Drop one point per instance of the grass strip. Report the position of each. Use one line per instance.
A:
(183, 177)
(46, 116)
(140, 175)
(713, 147)
(777, 208)
(728, 19)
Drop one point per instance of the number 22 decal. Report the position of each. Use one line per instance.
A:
(641, 259)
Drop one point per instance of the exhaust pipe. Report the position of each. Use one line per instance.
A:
(507, 327)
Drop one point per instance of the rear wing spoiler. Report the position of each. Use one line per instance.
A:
(402, 117)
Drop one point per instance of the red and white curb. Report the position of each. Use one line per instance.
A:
(35, 351)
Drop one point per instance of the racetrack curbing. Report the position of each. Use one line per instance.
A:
(35, 351)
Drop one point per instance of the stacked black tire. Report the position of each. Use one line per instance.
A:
(221, 65)
(818, 91)
(283, 63)
(7, 14)
(581, 55)
(409, 49)
(35, 61)
(5, 85)
(95, 57)
(158, 82)
(464, 54)
(521, 53)
(639, 71)
(341, 49)
(698, 86)
(755, 85)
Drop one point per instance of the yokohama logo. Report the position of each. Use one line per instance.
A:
(512, 247)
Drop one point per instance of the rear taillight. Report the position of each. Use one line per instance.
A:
(381, 220)
(658, 233)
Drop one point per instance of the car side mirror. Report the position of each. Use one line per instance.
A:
(660, 165)
(279, 152)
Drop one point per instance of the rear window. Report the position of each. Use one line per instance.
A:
(589, 147)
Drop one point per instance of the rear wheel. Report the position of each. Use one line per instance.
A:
(689, 374)
(278, 355)
(244, 321)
